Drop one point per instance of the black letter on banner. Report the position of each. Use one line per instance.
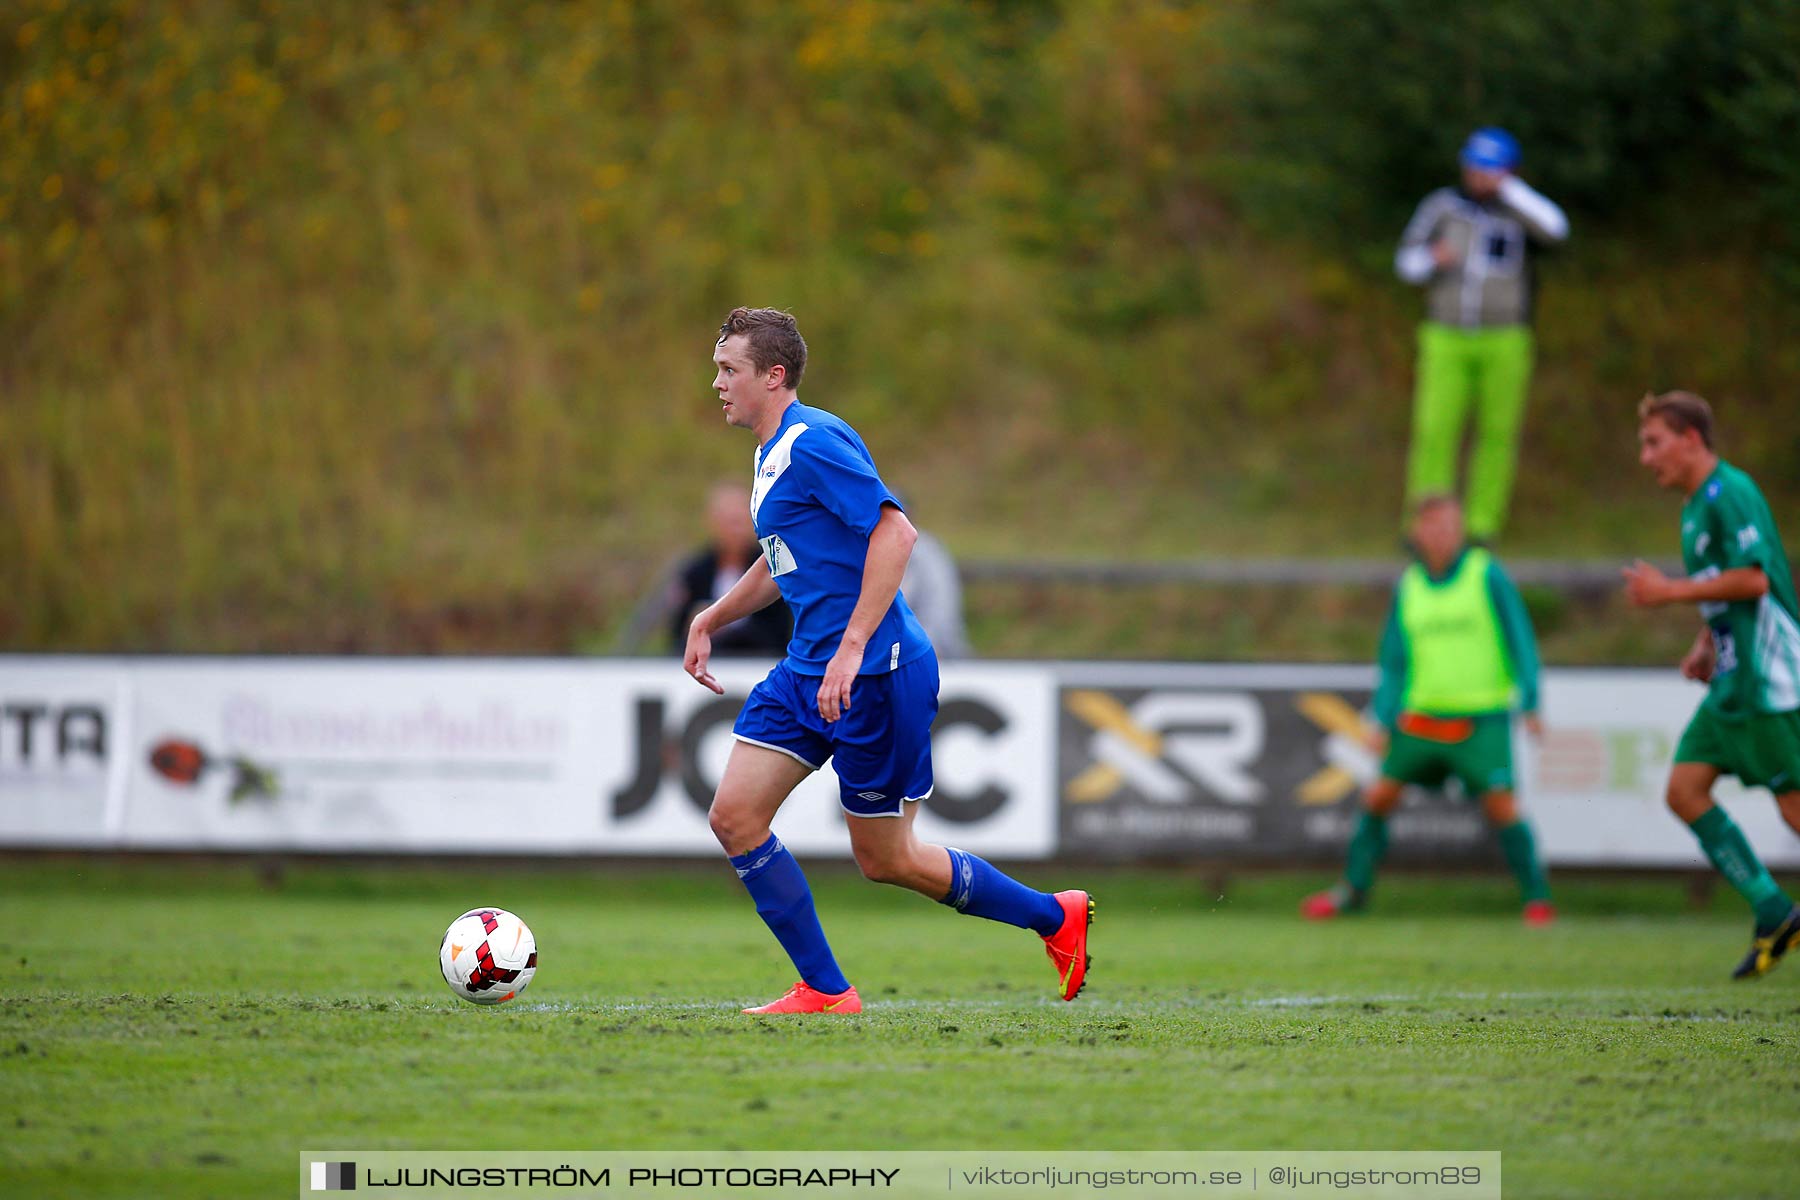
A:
(92, 739)
(723, 711)
(637, 794)
(27, 715)
(947, 803)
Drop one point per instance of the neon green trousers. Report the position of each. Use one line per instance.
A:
(1489, 370)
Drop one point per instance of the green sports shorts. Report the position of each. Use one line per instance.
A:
(1482, 761)
(1761, 750)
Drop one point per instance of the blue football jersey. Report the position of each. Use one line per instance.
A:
(815, 500)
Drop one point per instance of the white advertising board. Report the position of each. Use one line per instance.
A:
(63, 722)
(665, 741)
(1594, 786)
(460, 756)
(463, 756)
(558, 756)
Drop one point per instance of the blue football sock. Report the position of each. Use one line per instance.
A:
(785, 904)
(978, 889)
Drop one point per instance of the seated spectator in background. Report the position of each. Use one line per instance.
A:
(1470, 248)
(731, 548)
(933, 590)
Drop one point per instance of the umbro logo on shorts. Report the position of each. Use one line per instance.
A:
(870, 796)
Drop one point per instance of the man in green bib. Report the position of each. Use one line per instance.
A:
(1457, 654)
(1747, 652)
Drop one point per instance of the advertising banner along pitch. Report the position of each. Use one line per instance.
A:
(1259, 764)
(461, 756)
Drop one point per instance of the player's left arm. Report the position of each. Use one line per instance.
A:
(890, 546)
(1648, 587)
(1745, 577)
(1520, 640)
(1542, 217)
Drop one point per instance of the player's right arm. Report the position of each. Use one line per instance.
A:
(753, 592)
(1391, 686)
(1420, 254)
(1701, 657)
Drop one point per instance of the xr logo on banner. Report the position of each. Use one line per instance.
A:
(1169, 742)
(1348, 760)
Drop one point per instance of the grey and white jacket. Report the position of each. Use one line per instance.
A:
(1490, 283)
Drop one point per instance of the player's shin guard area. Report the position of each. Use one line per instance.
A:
(785, 903)
(1067, 947)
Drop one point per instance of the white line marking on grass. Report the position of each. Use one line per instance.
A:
(1597, 994)
(1164, 1004)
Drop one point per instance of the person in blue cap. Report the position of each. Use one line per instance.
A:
(1470, 248)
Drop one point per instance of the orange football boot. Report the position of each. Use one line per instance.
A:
(803, 999)
(1320, 906)
(1539, 913)
(1067, 947)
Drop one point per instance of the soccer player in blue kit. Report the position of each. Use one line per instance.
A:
(859, 683)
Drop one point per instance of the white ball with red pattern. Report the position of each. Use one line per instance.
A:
(488, 956)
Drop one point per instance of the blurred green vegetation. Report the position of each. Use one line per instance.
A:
(347, 326)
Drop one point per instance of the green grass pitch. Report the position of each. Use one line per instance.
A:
(183, 1030)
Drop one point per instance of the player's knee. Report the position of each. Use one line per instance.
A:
(1502, 808)
(732, 826)
(1688, 803)
(883, 864)
(1382, 798)
(1789, 805)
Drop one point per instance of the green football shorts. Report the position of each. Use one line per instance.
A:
(1482, 760)
(1761, 750)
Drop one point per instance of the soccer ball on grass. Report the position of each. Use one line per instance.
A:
(488, 956)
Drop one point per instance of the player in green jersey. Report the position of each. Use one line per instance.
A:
(1457, 653)
(1747, 652)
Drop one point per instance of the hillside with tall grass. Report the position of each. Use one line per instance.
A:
(385, 327)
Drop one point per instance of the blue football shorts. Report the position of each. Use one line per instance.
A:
(880, 747)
